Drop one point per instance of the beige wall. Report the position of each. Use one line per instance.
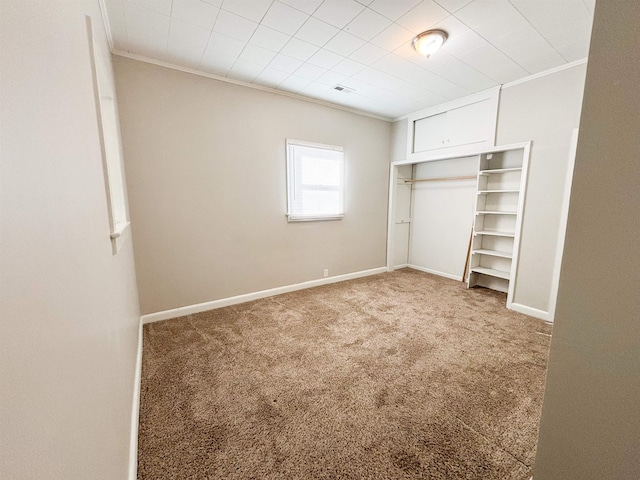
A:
(544, 110)
(590, 427)
(69, 307)
(205, 164)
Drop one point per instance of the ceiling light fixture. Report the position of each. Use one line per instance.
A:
(427, 43)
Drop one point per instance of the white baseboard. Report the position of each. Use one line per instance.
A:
(248, 297)
(398, 267)
(135, 410)
(436, 272)
(517, 307)
(532, 312)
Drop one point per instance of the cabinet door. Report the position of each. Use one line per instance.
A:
(430, 133)
(464, 126)
(467, 125)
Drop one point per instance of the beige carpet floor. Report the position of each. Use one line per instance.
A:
(395, 376)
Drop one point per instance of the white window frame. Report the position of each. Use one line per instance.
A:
(292, 185)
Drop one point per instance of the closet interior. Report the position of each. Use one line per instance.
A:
(460, 216)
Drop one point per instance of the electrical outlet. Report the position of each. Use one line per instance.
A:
(326, 272)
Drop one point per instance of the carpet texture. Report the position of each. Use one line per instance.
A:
(395, 376)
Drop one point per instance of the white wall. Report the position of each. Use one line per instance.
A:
(69, 307)
(544, 110)
(399, 134)
(590, 428)
(442, 216)
(205, 163)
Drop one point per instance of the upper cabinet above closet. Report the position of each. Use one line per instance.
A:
(463, 125)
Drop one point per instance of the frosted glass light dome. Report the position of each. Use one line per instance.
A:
(427, 43)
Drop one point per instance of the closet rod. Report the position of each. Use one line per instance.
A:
(467, 177)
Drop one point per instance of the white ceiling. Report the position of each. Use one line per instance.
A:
(309, 46)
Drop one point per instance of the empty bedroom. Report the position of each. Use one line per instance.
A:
(319, 239)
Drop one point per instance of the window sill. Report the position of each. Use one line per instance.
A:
(291, 218)
(119, 236)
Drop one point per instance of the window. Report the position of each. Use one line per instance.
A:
(315, 181)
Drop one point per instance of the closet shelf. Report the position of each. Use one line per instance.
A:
(492, 272)
(493, 253)
(500, 170)
(480, 192)
(494, 212)
(495, 233)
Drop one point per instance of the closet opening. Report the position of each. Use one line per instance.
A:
(460, 217)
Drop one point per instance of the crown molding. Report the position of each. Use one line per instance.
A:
(551, 71)
(249, 85)
(528, 78)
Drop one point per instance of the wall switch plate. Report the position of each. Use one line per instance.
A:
(326, 272)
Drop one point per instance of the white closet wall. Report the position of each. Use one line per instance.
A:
(442, 216)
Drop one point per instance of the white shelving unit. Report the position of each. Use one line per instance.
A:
(498, 198)
(498, 218)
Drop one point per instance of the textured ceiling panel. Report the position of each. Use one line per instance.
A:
(308, 46)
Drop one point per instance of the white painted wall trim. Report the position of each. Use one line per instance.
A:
(532, 312)
(564, 216)
(551, 71)
(391, 215)
(105, 21)
(249, 85)
(466, 153)
(435, 272)
(248, 297)
(135, 410)
(517, 241)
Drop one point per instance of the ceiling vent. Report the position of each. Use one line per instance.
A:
(343, 89)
